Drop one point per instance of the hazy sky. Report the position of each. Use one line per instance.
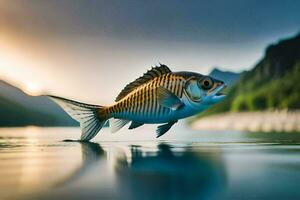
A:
(89, 50)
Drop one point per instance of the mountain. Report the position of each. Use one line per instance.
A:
(230, 78)
(20, 109)
(272, 84)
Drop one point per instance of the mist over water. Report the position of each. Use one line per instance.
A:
(36, 164)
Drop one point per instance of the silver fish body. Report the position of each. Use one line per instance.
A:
(159, 96)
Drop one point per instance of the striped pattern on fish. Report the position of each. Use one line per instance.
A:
(159, 96)
(142, 104)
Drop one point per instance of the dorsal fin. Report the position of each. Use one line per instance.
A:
(149, 75)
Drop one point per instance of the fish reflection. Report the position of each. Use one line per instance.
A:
(163, 172)
(91, 153)
(170, 175)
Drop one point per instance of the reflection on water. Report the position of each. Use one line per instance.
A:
(91, 153)
(37, 165)
(159, 173)
(167, 174)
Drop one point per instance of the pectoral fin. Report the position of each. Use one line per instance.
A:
(135, 125)
(168, 99)
(162, 129)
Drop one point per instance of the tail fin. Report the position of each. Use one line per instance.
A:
(91, 117)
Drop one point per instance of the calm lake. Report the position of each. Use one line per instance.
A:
(183, 164)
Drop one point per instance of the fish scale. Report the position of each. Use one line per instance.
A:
(142, 102)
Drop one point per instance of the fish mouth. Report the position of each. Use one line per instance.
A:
(220, 94)
(218, 91)
(215, 96)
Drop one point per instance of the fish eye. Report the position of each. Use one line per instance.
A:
(206, 83)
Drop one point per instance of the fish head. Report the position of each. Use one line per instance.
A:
(203, 91)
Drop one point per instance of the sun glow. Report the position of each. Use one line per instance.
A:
(17, 68)
(32, 88)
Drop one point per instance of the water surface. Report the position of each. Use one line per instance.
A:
(37, 164)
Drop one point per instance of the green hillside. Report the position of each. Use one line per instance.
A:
(272, 84)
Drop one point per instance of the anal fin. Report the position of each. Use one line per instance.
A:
(162, 129)
(135, 124)
(117, 124)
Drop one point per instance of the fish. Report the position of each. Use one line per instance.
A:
(160, 96)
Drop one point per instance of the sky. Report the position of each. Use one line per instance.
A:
(89, 50)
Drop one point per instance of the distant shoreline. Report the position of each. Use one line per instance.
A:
(267, 121)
